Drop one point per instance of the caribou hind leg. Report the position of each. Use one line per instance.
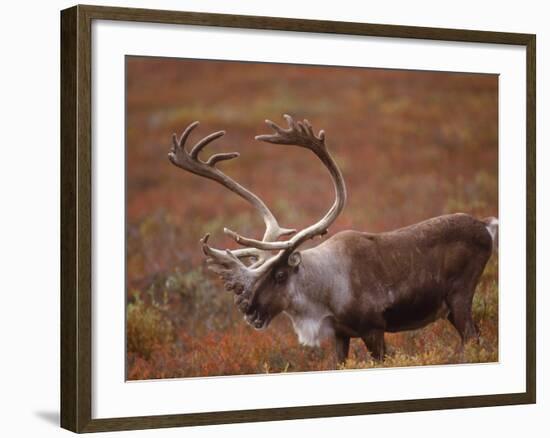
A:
(461, 318)
(459, 302)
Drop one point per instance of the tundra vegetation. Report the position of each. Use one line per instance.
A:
(411, 145)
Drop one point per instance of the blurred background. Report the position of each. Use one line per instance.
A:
(411, 145)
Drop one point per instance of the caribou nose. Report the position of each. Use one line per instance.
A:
(251, 317)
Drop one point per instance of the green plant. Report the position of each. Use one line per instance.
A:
(146, 328)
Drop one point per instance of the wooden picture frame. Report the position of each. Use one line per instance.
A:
(76, 217)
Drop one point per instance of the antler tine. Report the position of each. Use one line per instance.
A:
(191, 162)
(301, 134)
(221, 157)
(184, 136)
(298, 134)
(202, 143)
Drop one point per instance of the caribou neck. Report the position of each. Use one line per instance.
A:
(317, 294)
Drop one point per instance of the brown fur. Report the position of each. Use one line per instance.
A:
(399, 280)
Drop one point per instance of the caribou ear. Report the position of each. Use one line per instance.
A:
(294, 259)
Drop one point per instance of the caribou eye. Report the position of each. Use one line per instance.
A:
(280, 276)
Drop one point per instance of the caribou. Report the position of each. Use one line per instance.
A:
(354, 284)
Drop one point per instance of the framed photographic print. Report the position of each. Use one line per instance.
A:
(268, 218)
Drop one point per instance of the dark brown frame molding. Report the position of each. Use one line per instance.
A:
(76, 243)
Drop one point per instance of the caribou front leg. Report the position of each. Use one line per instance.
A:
(374, 340)
(341, 346)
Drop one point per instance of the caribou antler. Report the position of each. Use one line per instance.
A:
(191, 162)
(301, 134)
(237, 276)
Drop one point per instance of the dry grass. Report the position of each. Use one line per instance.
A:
(411, 145)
